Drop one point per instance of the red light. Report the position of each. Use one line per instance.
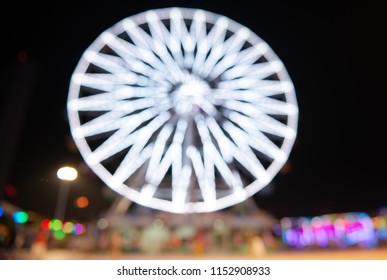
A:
(10, 190)
(22, 56)
(45, 224)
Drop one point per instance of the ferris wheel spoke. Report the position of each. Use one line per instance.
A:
(138, 59)
(252, 54)
(210, 150)
(256, 139)
(178, 156)
(157, 166)
(216, 47)
(207, 189)
(245, 58)
(234, 59)
(265, 86)
(209, 169)
(162, 35)
(197, 34)
(244, 154)
(255, 97)
(150, 47)
(198, 30)
(264, 122)
(107, 150)
(182, 35)
(133, 157)
(224, 143)
(112, 120)
(175, 39)
(110, 147)
(155, 178)
(101, 106)
(160, 145)
(180, 189)
(109, 82)
(275, 107)
(126, 169)
(106, 62)
(258, 71)
(84, 103)
(118, 66)
(246, 82)
(226, 50)
(272, 126)
(206, 44)
(263, 104)
(172, 158)
(108, 105)
(164, 40)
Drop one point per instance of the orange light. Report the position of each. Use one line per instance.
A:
(68, 227)
(82, 202)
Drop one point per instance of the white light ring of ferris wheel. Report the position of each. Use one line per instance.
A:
(151, 76)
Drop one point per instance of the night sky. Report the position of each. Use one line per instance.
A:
(334, 53)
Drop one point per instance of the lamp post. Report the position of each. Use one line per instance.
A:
(65, 174)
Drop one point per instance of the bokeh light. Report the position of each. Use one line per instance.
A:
(45, 224)
(20, 217)
(10, 191)
(59, 235)
(56, 225)
(22, 56)
(1, 211)
(67, 173)
(79, 229)
(68, 227)
(333, 230)
(102, 224)
(82, 202)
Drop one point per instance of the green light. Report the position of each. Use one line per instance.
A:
(20, 217)
(59, 235)
(56, 225)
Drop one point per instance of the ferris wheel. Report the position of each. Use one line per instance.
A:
(182, 110)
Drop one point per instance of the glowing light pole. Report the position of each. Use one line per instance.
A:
(65, 174)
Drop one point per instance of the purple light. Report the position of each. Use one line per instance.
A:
(79, 229)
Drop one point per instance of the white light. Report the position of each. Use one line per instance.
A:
(182, 110)
(102, 224)
(67, 173)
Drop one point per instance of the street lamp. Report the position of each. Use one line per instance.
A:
(65, 174)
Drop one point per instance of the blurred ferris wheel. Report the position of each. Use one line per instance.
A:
(182, 110)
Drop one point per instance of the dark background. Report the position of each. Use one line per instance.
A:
(334, 53)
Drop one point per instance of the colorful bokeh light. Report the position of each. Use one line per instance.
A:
(79, 229)
(10, 191)
(59, 235)
(68, 227)
(20, 217)
(45, 224)
(82, 202)
(56, 225)
(61, 228)
(335, 230)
